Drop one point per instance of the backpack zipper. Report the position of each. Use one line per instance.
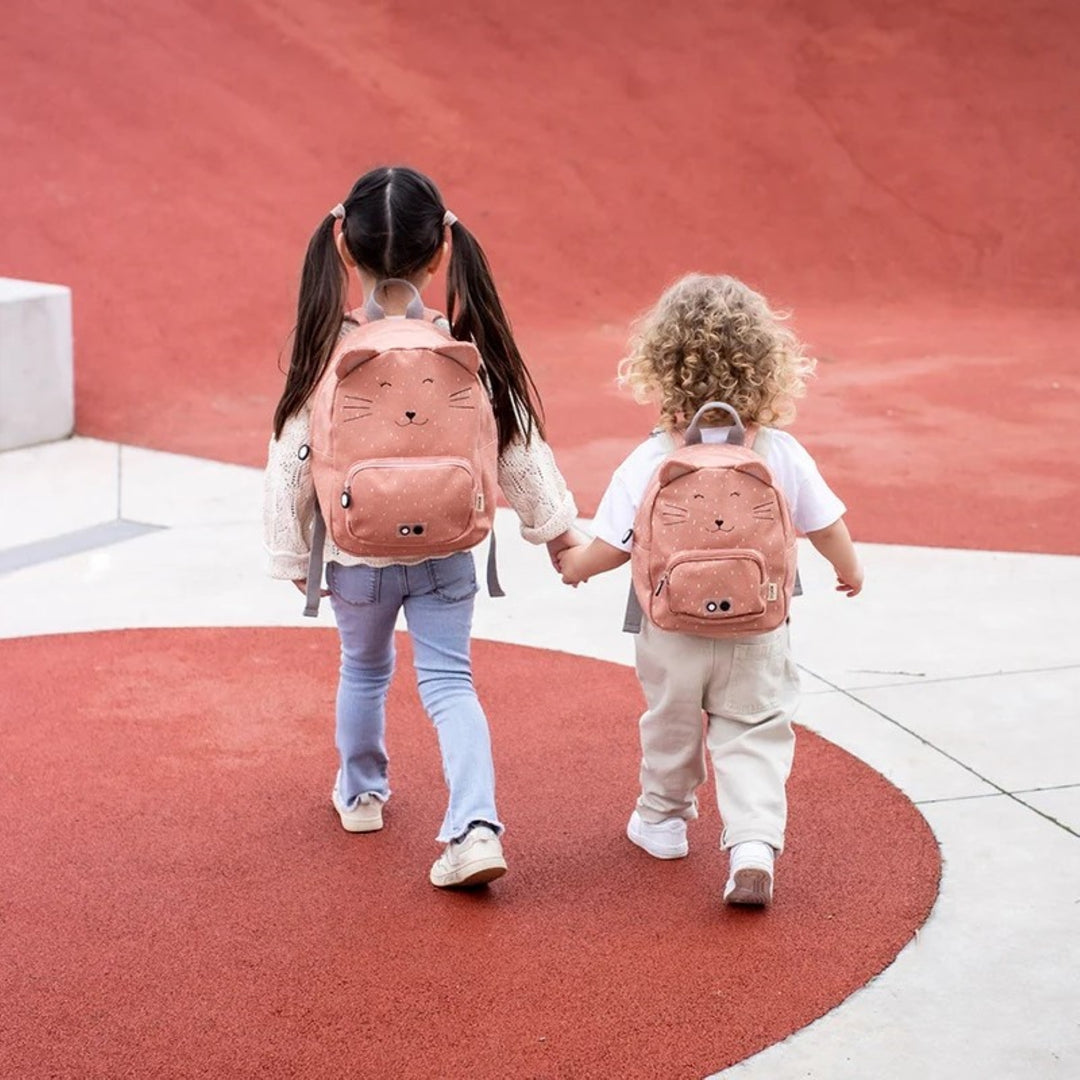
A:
(406, 463)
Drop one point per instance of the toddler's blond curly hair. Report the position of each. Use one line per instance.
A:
(712, 338)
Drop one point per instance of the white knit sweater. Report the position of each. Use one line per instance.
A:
(528, 476)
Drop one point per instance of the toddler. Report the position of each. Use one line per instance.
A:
(713, 339)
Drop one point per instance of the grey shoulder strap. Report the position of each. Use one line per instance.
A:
(315, 564)
(493, 586)
(634, 614)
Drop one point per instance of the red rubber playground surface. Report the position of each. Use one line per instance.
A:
(200, 899)
(902, 178)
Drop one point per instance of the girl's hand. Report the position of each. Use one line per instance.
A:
(301, 584)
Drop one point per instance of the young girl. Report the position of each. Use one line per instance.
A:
(713, 339)
(393, 225)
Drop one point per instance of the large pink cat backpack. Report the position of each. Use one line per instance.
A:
(403, 443)
(713, 545)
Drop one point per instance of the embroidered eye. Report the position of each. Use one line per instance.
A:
(428, 380)
(736, 494)
(385, 384)
(699, 496)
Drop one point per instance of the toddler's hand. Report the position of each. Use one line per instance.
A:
(850, 583)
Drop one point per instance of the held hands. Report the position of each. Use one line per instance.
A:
(570, 538)
(570, 563)
(582, 561)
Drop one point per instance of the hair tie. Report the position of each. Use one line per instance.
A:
(338, 212)
(448, 219)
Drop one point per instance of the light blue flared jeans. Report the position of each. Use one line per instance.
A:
(438, 597)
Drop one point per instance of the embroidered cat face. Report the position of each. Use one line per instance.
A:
(719, 505)
(405, 393)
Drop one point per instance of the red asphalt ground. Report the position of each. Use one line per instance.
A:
(180, 901)
(902, 177)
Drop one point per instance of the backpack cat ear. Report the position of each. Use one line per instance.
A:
(463, 353)
(672, 470)
(757, 469)
(352, 359)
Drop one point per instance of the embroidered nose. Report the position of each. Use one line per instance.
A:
(719, 522)
(411, 415)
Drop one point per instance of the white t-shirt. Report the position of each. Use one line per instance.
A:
(811, 501)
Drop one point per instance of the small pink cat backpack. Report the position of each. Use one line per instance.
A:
(404, 442)
(713, 545)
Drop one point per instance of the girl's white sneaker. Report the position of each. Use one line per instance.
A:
(365, 816)
(474, 860)
(665, 840)
(750, 874)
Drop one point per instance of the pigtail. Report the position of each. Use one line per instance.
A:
(319, 311)
(476, 314)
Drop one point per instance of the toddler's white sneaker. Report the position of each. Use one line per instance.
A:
(750, 874)
(665, 840)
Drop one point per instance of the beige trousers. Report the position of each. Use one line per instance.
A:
(748, 689)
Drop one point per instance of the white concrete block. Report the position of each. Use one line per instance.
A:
(37, 386)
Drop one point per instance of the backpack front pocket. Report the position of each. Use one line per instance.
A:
(715, 585)
(406, 504)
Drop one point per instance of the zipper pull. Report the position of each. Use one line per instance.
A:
(660, 585)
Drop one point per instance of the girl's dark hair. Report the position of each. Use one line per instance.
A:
(393, 228)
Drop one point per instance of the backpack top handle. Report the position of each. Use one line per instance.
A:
(374, 310)
(693, 432)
